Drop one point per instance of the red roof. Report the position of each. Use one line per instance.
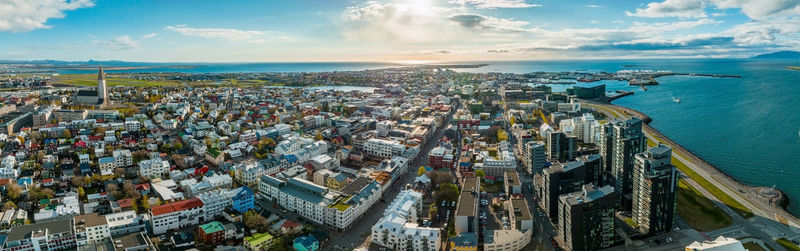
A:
(176, 206)
(144, 186)
(290, 224)
(124, 203)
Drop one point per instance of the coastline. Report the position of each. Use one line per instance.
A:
(772, 208)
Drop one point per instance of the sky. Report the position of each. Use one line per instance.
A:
(393, 30)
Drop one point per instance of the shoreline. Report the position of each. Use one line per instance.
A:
(775, 206)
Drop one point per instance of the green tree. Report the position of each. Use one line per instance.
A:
(9, 205)
(480, 173)
(446, 192)
(421, 171)
(13, 190)
(66, 134)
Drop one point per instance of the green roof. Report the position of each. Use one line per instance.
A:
(340, 204)
(257, 239)
(212, 227)
(213, 152)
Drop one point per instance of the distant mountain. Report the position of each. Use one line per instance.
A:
(779, 55)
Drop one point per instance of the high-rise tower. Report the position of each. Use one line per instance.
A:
(102, 93)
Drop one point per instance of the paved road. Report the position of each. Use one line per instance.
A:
(357, 235)
(760, 226)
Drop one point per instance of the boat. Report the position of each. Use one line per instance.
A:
(677, 100)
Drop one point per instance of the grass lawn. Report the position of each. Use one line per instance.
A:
(629, 221)
(91, 80)
(722, 196)
(752, 246)
(788, 245)
(698, 211)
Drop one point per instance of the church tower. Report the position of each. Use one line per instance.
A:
(102, 93)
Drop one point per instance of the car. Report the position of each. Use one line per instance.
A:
(453, 204)
(443, 203)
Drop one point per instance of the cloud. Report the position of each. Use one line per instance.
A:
(754, 9)
(151, 35)
(672, 8)
(693, 43)
(247, 36)
(27, 15)
(443, 52)
(593, 6)
(493, 4)
(399, 22)
(474, 21)
(497, 51)
(118, 43)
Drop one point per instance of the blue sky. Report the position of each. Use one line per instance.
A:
(393, 30)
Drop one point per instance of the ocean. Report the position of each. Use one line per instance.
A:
(747, 127)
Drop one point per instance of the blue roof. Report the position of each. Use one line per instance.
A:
(291, 158)
(24, 181)
(306, 241)
(106, 160)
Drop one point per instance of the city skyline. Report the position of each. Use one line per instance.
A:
(393, 31)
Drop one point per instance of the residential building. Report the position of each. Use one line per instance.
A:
(560, 146)
(719, 244)
(214, 202)
(586, 218)
(211, 233)
(655, 181)
(259, 242)
(560, 179)
(511, 182)
(242, 199)
(535, 157)
(464, 242)
(107, 165)
(248, 172)
(176, 215)
(305, 243)
(383, 147)
(125, 222)
(503, 240)
(54, 235)
(519, 214)
(466, 215)
(90, 228)
(122, 157)
(153, 168)
(398, 228)
(626, 140)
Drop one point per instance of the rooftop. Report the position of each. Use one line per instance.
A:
(468, 200)
(512, 177)
(176, 206)
(212, 227)
(257, 239)
(520, 209)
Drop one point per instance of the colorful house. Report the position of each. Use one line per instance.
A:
(259, 242)
(464, 242)
(305, 243)
(211, 233)
(243, 199)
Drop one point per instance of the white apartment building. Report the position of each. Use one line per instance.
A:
(107, 165)
(585, 128)
(122, 157)
(248, 172)
(496, 166)
(398, 228)
(503, 240)
(132, 126)
(249, 137)
(176, 215)
(124, 223)
(214, 202)
(298, 196)
(90, 228)
(153, 168)
(384, 147)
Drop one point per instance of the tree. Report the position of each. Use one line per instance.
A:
(502, 135)
(439, 177)
(480, 173)
(113, 190)
(119, 172)
(446, 192)
(13, 190)
(421, 171)
(319, 136)
(433, 211)
(9, 205)
(130, 190)
(253, 220)
(77, 181)
(512, 120)
(81, 192)
(66, 134)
